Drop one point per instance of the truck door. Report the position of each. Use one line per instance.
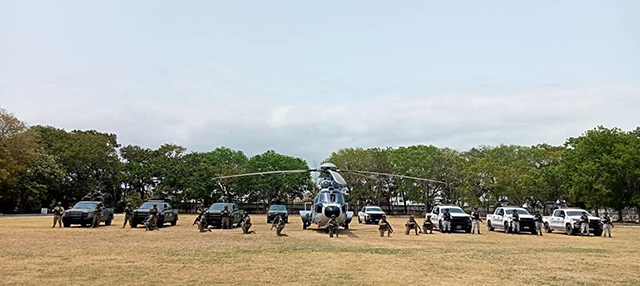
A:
(168, 213)
(103, 215)
(498, 218)
(435, 216)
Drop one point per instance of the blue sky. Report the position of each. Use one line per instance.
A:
(308, 78)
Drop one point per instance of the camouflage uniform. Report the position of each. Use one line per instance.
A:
(202, 222)
(333, 226)
(515, 222)
(152, 220)
(96, 216)
(446, 222)
(225, 217)
(475, 220)
(428, 225)
(246, 224)
(279, 223)
(411, 224)
(128, 215)
(537, 220)
(607, 225)
(584, 224)
(57, 215)
(383, 226)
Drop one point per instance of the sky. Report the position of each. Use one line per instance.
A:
(306, 78)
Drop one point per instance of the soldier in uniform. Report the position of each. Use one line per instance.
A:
(333, 226)
(225, 217)
(475, 220)
(58, 211)
(537, 220)
(607, 224)
(411, 224)
(201, 210)
(446, 221)
(96, 216)
(246, 223)
(202, 220)
(584, 224)
(128, 214)
(152, 220)
(428, 225)
(383, 226)
(278, 223)
(515, 222)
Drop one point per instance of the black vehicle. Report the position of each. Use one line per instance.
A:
(165, 213)
(82, 214)
(277, 209)
(215, 219)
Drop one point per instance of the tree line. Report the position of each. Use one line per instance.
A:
(40, 165)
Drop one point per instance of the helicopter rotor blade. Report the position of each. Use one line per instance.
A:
(337, 177)
(390, 175)
(282, 172)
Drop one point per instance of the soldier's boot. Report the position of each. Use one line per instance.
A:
(406, 230)
(381, 233)
(416, 229)
(330, 233)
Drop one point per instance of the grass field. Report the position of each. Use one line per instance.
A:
(31, 253)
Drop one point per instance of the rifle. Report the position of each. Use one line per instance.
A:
(419, 228)
(197, 220)
(390, 228)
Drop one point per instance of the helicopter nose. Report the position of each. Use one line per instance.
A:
(331, 210)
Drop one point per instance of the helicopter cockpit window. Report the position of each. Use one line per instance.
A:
(331, 197)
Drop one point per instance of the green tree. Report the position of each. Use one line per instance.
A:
(40, 185)
(266, 188)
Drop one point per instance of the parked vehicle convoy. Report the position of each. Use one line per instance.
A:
(370, 214)
(82, 214)
(459, 219)
(165, 213)
(279, 208)
(569, 221)
(214, 218)
(502, 218)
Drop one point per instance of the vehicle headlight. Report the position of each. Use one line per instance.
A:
(90, 214)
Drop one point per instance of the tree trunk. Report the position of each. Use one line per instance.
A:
(620, 215)
(404, 199)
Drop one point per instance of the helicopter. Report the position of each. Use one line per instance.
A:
(329, 201)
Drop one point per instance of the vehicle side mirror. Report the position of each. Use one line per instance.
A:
(561, 215)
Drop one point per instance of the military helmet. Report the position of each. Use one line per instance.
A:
(59, 203)
(411, 216)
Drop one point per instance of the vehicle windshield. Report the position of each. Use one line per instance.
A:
(331, 197)
(85, 205)
(149, 205)
(576, 213)
(218, 207)
(277, 208)
(453, 210)
(520, 211)
(374, 209)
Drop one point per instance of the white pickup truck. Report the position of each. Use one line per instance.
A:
(569, 221)
(370, 214)
(502, 218)
(459, 219)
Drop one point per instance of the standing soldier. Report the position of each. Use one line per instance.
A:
(225, 217)
(515, 222)
(128, 213)
(246, 223)
(58, 211)
(411, 224)
(446, 221)
(278, 223)
(584, 224)
(428, 225)
(606, 220)
(152, 219)
(96, 216)
(537, 220)
(475, 220)
(333, 226)
(383, 226)
(202, 220)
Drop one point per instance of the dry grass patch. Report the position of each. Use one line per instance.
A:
(31, 253)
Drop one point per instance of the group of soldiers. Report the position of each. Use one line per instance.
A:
(226, 222)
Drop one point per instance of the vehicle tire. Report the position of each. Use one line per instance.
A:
(134, 225)
(66, 224)
(160, 222)
(108, 222)
(547, 227)
(304, 225)
(468, 230)
(346, 226)
(534, 232)
(598, 233)
(174, 222)
(507, 229)
(568, 229)
(83, 225)
(489, 226)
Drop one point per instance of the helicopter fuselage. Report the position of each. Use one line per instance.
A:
(328, 202)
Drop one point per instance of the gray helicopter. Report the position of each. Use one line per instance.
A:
(330, 199)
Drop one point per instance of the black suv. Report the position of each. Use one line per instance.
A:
(215, 219)
(165, 213)
(277, 209)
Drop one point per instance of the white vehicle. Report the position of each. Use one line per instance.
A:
(569, 221)
(459, 219)
(370, 214)
(502, 218)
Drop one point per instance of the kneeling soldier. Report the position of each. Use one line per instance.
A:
(428, 225)
(607, 224)
(278, 223)
(383, 226)
(411, 224)
(202, 221)
(333, 226)
(246, 223)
